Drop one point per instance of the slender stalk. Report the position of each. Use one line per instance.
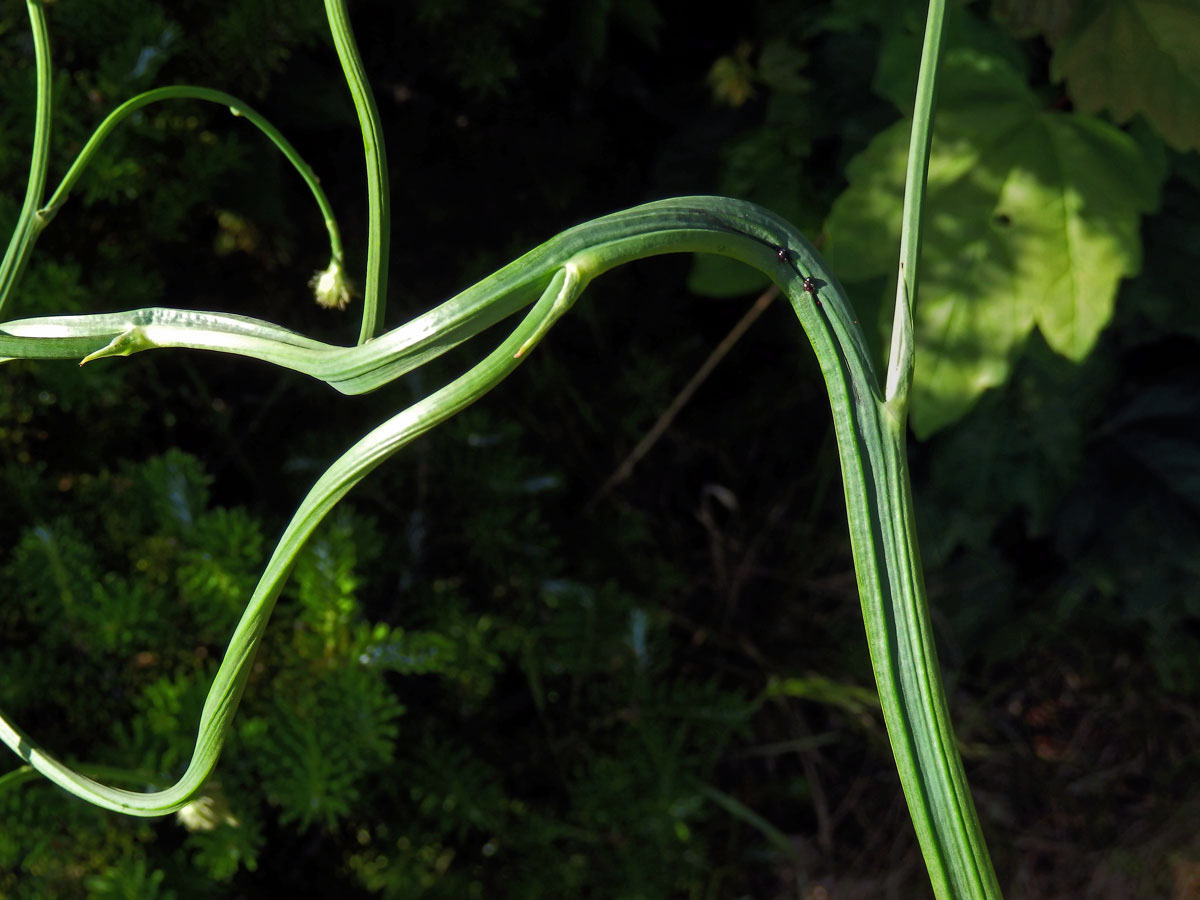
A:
(33, 220)
(25, 233)
(378, 213)
(208, 95)
(900, 360)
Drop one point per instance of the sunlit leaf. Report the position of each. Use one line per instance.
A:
(1033, 220)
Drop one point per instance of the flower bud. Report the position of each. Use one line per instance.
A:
(331, 287)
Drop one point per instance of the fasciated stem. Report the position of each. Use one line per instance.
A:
(871, 448)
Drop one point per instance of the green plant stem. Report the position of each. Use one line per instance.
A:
(378, 213)
(905, 654)
(33, 220)
(869, 424)
(28, 225)
(191, 92)
(870, 444)
(230, 681)
(903, 349)
(27, 774)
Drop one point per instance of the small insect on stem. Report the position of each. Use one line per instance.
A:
(810, 285)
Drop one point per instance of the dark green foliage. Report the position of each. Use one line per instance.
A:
(215, 578)
(39, 830)
(483, 679)
(130, 878)
(319, 741)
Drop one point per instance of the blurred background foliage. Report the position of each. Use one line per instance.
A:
(491, 676)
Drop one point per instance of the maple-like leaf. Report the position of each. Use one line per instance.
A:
(1032, 219)
(1137, 56)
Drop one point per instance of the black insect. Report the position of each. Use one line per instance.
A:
(810, 285)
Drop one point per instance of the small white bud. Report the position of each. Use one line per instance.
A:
(206, 812)
(331, 287)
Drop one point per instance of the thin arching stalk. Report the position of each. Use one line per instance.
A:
(25, 232)
(378, 211)
(900, 360)
(34, 217)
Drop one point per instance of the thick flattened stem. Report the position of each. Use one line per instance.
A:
(230, 681)
(871, 447)
(904, 659)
